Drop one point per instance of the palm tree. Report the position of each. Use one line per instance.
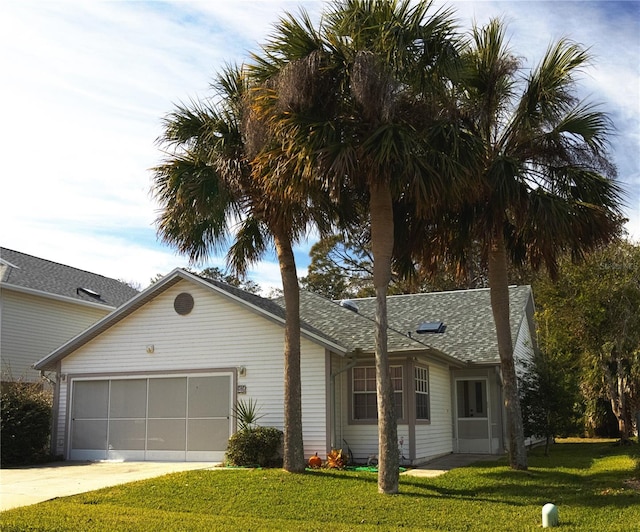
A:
(220, 175)
(357, 104)
(548, 187)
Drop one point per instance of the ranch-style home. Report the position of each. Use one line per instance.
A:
(157, 379)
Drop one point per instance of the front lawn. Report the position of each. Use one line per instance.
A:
(594, 484)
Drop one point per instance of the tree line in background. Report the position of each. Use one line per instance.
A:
(589, 339)
(383, 115)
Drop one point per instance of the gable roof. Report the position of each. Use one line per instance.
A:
(26, 273)
(262, 306)
(469, 334)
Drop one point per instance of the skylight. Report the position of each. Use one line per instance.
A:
(431, 327)
(87, 291)
(351, 305)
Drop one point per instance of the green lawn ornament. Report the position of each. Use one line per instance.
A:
(549, 515)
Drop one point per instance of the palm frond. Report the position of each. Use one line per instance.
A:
(250, 243)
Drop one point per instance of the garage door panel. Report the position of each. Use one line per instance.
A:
(128, 398)
(89, 434)
(166, 434)
(209, 396)
(127, 434)
(168, 397)
(207, 434)
(91, 399)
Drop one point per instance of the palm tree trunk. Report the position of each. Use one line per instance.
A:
(499, 290)
(293, 453)
(382, 248)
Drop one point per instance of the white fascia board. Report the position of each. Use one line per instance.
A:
(55, 297)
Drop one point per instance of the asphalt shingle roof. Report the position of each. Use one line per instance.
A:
(33, 273)
(470, 333)
(350, 329)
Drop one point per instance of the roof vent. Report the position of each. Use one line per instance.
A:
(87, 291)
(347, 303)
(431, 327)
(183, 303)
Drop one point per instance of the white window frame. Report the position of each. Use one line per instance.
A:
(353, 393)
(421, 387)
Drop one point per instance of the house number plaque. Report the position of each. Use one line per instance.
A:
(241, 388)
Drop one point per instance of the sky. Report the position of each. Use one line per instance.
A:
(85, 85)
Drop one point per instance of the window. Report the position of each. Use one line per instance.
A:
(472, 400)
(421, 386)
(365, 404)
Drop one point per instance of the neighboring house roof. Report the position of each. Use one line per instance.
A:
(27, 273)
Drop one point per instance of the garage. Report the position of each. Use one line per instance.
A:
(170, 417)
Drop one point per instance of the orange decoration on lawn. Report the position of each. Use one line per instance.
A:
(315, 461)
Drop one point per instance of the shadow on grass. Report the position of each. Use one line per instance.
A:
(572, 476)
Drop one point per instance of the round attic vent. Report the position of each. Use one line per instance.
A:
(183, 303)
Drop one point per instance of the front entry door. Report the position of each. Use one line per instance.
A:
(473, 434)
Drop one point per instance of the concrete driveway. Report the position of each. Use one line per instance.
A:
(30, 485)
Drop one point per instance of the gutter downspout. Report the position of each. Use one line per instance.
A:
(350, 364)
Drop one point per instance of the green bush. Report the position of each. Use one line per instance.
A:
(26, 423)
(259, 446)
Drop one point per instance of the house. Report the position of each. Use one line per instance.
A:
(43, 304)
(157, 378)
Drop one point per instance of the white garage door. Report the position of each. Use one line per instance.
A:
(180, 418)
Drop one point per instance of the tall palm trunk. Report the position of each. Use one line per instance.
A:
(382, 248)
(499, 290)
(293, 459)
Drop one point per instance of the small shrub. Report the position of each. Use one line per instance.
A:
(259, 446)
(26, 423)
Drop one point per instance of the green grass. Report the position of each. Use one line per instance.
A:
(588, 481)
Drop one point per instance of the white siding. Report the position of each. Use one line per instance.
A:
(338, 406)
(217, 334)
(435, 439)
(523, 347)
(32, 327)
(523, 354)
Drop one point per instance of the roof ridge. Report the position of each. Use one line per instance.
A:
(435, 292)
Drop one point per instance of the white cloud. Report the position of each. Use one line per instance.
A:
(86, 84)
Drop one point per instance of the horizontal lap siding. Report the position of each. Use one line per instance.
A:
(217, 334)
(435, 438)
(314, 397)
(523, 348)
(32, 327)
